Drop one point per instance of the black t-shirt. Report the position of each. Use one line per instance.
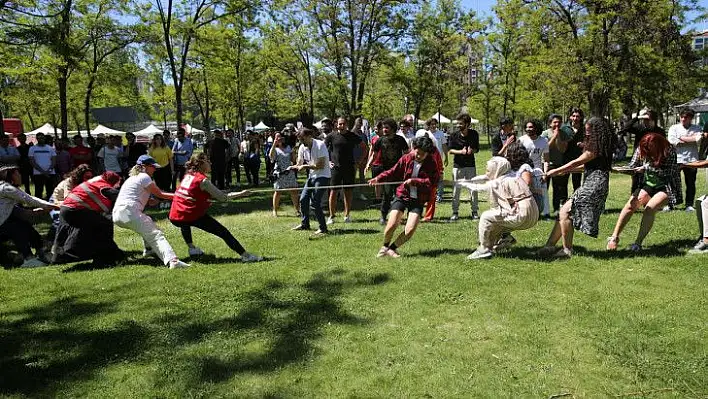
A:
(134, 152)
(392, 148)
(459, 142)
(341, 148)
(217, 150)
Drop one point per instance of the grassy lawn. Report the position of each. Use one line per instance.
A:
(326, 319)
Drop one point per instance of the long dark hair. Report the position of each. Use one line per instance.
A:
(601, 140)
(162, 138)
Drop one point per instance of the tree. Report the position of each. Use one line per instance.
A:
(180, 22)
(355, 36)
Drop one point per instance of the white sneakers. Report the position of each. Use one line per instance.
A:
(249, 258)
(330, 220)
(195, 251)
(33, 262)
(480, 253)
(348, 219)
(178, 264)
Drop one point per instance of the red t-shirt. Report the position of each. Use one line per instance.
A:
(79, 150)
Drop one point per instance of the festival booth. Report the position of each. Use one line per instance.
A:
(145, 135)
(47, 128)
(100, 129)
(261, 127)
(700, 105)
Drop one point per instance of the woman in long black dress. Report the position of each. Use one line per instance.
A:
(582, 211)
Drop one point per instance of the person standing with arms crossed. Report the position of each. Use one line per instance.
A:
(463, 145)
(341, 145)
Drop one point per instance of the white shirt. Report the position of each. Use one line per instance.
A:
(110, 158)
(134, 192)
(42, 155)
(536, 149)
(416, 170)
(685, 152)
(317, 151)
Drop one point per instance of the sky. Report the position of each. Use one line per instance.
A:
(484, 7)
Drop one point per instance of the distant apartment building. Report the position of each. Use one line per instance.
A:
(700, 43)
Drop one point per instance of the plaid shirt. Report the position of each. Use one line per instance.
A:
(667, 171)
(428, 176)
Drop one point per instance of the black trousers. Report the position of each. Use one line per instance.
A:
(163, 178)
(22, 234)
(26, 179)
(177, 174)
(387, 192)
(90, 236)
(689, 176)
(218, 174)
(577, 180)
(211, 226)
(560, 191)
(42, 182)
(230, 166)
(252, 167)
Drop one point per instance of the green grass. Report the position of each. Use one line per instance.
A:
(326, 319)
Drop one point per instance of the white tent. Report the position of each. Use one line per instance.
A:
(441, 118)
(100, 129)
(192, 130)
(261, 126)
(45, 129)
(149, 131)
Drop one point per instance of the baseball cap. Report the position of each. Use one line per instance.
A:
(147, 160)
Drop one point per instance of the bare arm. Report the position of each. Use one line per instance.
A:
(154, 190)
(573, 165)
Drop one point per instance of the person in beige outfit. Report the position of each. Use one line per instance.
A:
(513, 207)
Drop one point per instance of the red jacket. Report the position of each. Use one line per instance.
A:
(88, 195)
(190, 201)
(428, 176)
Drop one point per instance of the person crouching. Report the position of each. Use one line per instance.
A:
(86, 211)
(419, 173)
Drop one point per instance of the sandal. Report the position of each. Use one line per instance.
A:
(612, 243)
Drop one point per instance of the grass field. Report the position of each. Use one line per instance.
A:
(326, 319)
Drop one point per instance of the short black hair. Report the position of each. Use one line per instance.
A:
(464, 118)
(306, 131)
(688, 111)
(517, 155)
(391, 123)
(505, 120)
(424, 143)
(555, 116)
(574, 110)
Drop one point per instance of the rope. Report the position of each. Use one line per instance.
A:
(267, 190)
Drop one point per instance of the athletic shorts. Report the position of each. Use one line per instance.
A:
(342, 175)
(412, 205)
(652, 191)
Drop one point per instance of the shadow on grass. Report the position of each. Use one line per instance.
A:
(343, 232)
(675, 248)
(87, 266)
(434, 253)
(45, 346)
(291, 323)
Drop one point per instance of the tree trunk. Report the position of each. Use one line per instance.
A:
(87, 102)
(63, 107)
(2, 122)
(207, 102)
(30, 117)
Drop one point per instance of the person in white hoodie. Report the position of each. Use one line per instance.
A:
(14, 227)
(129, 206)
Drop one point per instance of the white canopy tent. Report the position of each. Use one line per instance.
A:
(148, 131)
(441, 118)
(47, 128)
(191, 130)
(261, 126)
(100, 129)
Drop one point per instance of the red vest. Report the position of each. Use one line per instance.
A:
(190, 201)
(87, 195)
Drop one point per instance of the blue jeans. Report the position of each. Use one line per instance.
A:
(311, 193)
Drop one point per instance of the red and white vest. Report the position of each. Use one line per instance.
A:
(87, 195)
(190, 201)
